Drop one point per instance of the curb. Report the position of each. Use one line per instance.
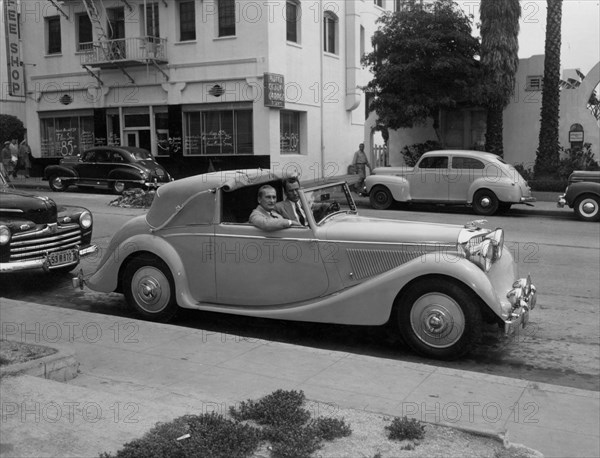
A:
(60, 366)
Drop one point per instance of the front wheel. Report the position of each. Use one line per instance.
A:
(149, 289)
(587, 208)
(485, 202)
(439, 319)
(57, 184)
(380, 198)
(118, 187)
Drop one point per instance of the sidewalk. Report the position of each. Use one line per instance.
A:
(135, 373)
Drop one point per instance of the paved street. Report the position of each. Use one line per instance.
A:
(560, 345)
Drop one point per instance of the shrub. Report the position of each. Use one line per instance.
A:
(210, 435)
(330, 428)
(576, 159)
(412, 153)
(525, 172)
(280, 408)
(405, 429)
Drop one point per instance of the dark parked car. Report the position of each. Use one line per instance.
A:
(583, 195)
(113, 167)
(35, 233)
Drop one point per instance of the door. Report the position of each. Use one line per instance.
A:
(463, 172)
(429, 180)
(116, 32)
(132, 139)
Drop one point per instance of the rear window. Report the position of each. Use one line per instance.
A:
(467, 163)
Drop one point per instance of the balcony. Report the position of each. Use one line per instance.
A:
(124, 52)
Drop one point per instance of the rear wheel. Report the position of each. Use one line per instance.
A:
(381, 198)
(57, 184)
(439, 318)
(485, 202)
(587, 208)
(149, 288)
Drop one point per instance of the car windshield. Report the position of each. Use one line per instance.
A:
(328, 200)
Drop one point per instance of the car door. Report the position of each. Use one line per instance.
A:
(429, 180)
(91, 168)
(463, 171)
(255, 268)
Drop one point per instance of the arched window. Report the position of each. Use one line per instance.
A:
(330, 32)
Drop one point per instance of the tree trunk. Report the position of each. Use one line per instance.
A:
(547, 158)
(494, 129)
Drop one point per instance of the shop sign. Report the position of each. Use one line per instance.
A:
(575, 137)
(274, 90)
(16, 80)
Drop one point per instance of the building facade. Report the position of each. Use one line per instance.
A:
(201, 84)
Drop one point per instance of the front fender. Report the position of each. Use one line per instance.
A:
(59, 170)
(398, 185)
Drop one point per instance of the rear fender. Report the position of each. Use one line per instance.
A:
(504, 190)
(59, 170)
(398, 185)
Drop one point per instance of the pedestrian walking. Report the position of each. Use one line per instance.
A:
(24, 162)
(14, 156)
(360, 162)
(7, 164)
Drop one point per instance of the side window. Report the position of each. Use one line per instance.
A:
(116, 157)
(467, 163)
(90, 156)
(434, 162)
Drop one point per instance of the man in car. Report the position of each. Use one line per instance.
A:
(265, 216)
(291, 208)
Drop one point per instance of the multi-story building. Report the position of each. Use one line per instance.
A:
(201, 83)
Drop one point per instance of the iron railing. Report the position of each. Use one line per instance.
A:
(122, 50)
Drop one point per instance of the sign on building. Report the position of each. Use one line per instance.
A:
(16, 80)
(274, 90)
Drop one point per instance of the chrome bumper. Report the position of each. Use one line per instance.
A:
(561, 201)
(523, 297)
(42, 263)
(526, 200)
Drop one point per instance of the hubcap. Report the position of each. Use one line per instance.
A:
(151, 289)
(437, 320)
(57, 182)
(485, 202)
(119, 186)
(588, 207)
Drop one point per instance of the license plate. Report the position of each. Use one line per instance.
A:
(61, 258)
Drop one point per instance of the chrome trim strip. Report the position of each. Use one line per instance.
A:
(43, 249)
(40, 233)
(11, 210)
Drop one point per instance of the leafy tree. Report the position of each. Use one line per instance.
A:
(499, 61)
(423, 61)
(11, 127)
(547, 157)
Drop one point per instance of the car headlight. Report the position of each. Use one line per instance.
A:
(85, 220)
(497, 239)
(487, 252)
(4, 235)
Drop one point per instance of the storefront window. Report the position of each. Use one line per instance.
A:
(66, 136)
(218, 132)
(289, 122)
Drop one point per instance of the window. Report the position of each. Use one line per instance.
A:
(218, 132)
(362, 41)
(379, 3)
(226, 18)
(187, 21)
(330, 32)
(534, 83)
(467, 163)
(65, 136)
(53, 31)
(292, 19)
(289, 140)
(434, 162)
(151, 21)
(84, 33)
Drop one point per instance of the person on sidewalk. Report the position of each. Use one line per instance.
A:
(24, 161)
(265, 216)
(360, 162)
(292, 208)
(14, 155)
(7, 166)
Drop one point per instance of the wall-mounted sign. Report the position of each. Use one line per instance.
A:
(16, 80)
(575, 137)
(274, 90)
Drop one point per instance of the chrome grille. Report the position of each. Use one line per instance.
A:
(476, 240)
(367, 263)
(26, 246)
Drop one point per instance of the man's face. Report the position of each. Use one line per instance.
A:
(361, 147)
(292, 191)
(268, 199)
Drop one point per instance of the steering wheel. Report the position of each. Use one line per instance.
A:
(332, 207)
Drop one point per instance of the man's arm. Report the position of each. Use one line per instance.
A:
(268, 223)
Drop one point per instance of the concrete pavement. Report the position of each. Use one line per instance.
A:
(135, 373)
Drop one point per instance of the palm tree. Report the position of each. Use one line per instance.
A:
(500, 61)
(546, 161)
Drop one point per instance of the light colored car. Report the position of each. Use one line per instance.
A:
(195, 249)
(453, 177)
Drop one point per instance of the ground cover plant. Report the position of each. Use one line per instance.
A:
(278, 419)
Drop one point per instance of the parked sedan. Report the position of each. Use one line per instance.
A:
(116, 168)
(196, 249)
(35, 233)
(583, 195)
(453, 177)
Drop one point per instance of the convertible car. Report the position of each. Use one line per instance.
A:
(35, 233)
(195, 249)
(111, 167)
